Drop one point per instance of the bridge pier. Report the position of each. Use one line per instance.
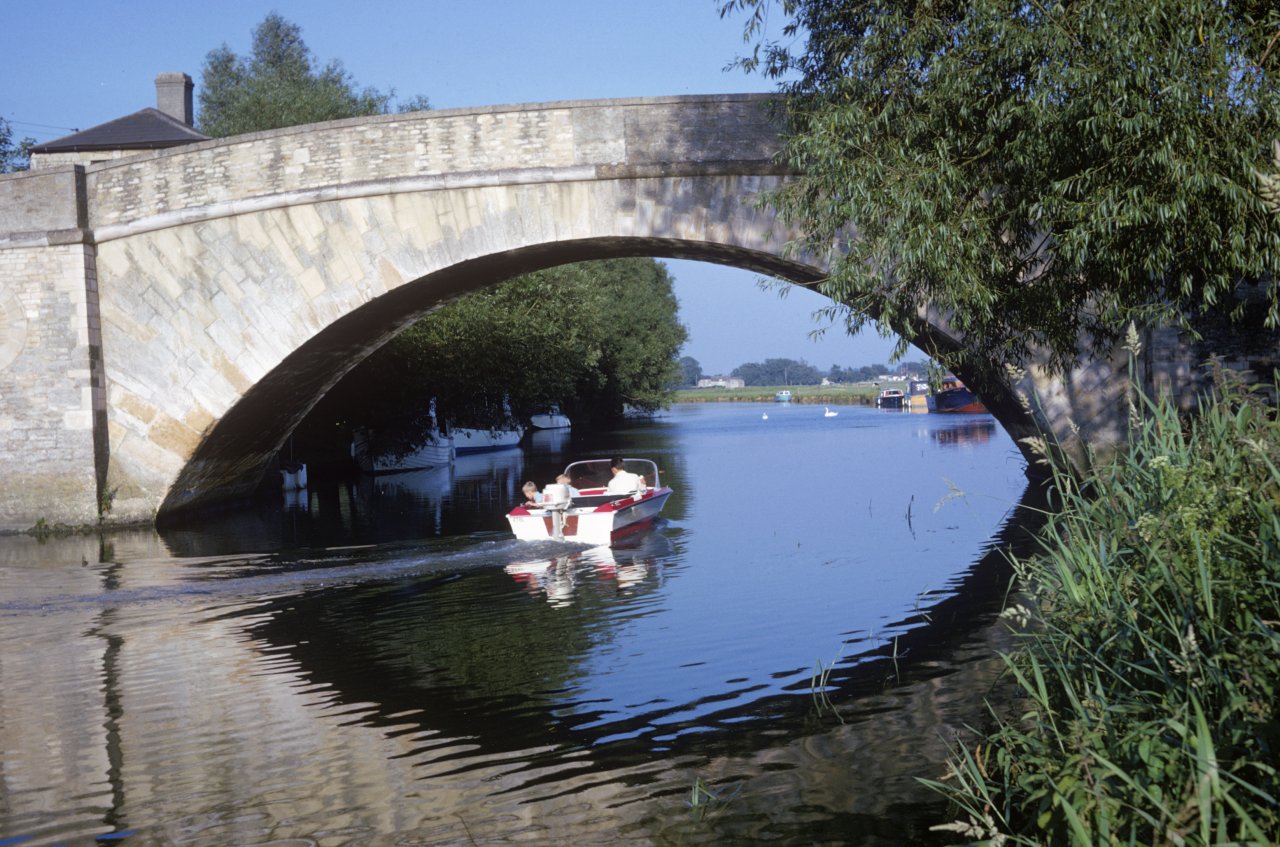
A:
(52, 407)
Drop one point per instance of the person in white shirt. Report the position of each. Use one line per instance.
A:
(624, 481)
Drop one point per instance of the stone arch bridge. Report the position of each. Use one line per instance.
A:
(167, 319)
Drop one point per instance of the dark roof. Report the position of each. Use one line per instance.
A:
(148, 129)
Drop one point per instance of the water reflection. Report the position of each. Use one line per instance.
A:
(387, 666)
(550, 441)
(964, 432)
(618, 568)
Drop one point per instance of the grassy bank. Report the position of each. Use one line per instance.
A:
(1146, 675)
(829, 394)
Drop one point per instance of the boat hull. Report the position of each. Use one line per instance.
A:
(482, 440)
(550, 420)
(436, 452)
(957, 401)
(606, 523)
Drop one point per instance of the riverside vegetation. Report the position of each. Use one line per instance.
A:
(819, 394)
(1146, 680)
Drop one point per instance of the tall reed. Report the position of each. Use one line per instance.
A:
(1146, 681)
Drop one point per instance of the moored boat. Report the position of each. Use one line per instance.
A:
(466, 440)
(782, 397)
(892, 398)
(955, 397)
(553, 418)
(918, 396)
(587, 511)
(433, 451)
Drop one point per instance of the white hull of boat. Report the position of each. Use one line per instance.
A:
(549, 420)
(605, 523)
(480, 440)
(437, 452)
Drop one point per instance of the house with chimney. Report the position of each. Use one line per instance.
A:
(169, 124)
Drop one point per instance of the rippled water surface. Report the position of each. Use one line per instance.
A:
(378, 662)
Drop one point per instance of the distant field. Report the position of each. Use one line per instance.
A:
(862, 393)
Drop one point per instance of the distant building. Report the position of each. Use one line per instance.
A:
(722, 382)
(167, 125)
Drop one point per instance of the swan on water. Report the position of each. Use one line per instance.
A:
(827, 413)
(765, 416)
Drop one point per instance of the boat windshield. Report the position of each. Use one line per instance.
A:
(594, 473)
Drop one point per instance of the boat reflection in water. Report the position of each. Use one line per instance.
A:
(967, 432)
(559, 576)
(456, 498)
(550, 441)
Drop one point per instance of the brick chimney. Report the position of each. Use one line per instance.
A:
(173, 95)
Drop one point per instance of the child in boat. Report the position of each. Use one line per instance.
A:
(563, 479)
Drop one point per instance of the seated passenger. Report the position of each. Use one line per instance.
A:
(624, 481)
(564, 480)
(531, 495)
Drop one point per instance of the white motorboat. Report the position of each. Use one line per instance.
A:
(550, 419)
(892, 398)
(437, 450)
(586, 511)
(466, 440)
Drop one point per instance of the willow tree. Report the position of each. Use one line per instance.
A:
(1038, 172)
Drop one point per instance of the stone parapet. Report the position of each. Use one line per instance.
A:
(499, 141)
(38, 205)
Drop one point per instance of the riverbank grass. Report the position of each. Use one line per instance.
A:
(1146, 682)
(834, 395)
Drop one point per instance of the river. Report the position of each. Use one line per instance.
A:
(378, 662)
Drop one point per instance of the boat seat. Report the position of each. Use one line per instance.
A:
(583, 500)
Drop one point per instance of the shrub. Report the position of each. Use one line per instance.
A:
(1147, 679)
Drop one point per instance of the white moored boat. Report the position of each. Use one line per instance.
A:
(469, 440)
(553, 418)
(586, 511)
(433, 451)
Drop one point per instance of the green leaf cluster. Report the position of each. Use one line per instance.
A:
(280, 84)
(14, 155)
(1149, 682)
(593, 337)
(1036, 172)
(778, 372)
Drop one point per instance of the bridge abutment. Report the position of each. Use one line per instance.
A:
(52, 437)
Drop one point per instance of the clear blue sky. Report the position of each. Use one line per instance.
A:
(71, 65)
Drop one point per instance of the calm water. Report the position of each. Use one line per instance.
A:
(380, 663)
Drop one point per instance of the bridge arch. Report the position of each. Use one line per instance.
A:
(233, 282)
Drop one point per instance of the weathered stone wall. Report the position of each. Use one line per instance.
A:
(50, 377)
(47, 393)
(45, 161)
(550, 142)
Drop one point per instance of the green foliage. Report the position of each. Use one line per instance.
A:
(1149, 679)
(593, 337)
(690, 371)
(778, 372)
(280, 85)
(870, 373)
(14, 156)
(1034, 171)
